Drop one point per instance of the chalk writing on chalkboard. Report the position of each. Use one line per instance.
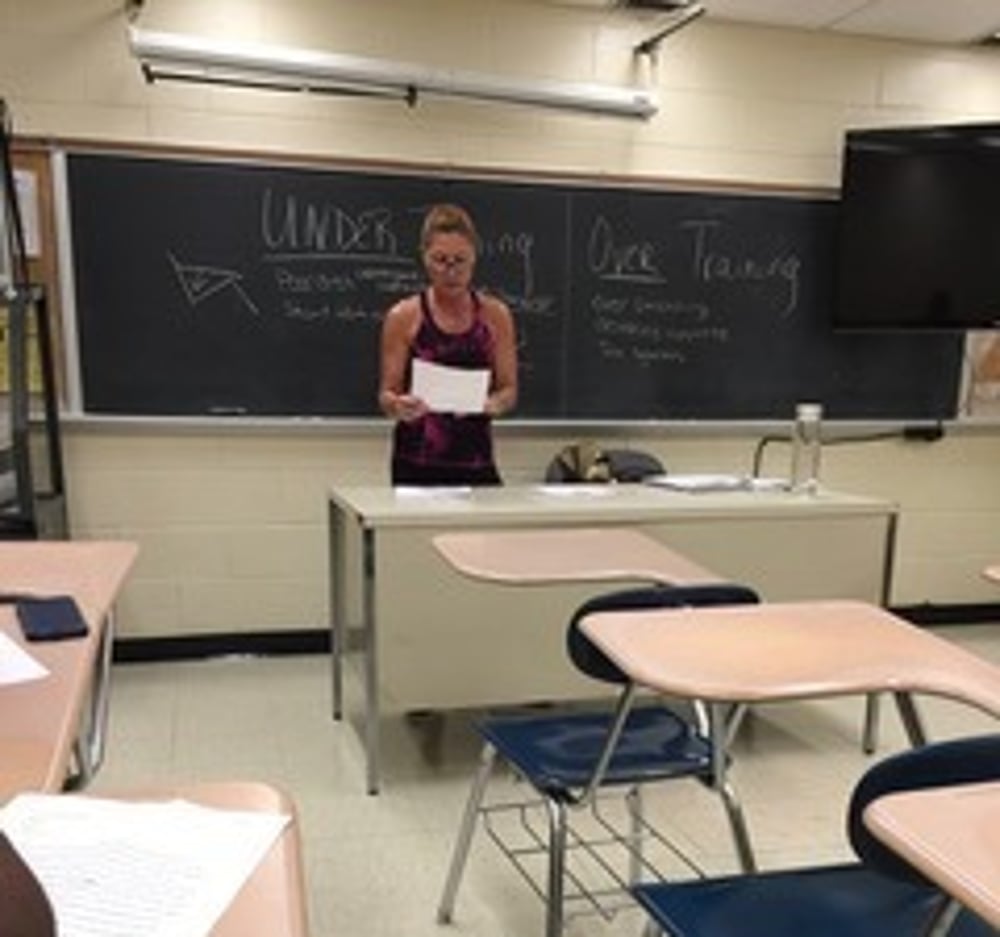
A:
(217, 287)
(637, 311)
(200, 282)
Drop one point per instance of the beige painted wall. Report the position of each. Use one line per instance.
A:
(232, 524)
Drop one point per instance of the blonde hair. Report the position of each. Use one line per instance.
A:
(448, 219)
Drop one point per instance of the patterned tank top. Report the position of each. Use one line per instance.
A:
(447, 448)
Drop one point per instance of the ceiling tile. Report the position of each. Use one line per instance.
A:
(946, 21)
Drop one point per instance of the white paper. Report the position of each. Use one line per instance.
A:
(700, 482)
(768, 483)
(576, 490)
(16, 664)
(450, 390)
(419, 492)
(26, 186)
(121, 869)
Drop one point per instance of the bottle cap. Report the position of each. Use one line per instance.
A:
(809, 411)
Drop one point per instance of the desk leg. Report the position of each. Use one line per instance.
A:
(870, 739)
(337, 526)
(88, 750)
(910, 717)
(372, 714)
(889, 559)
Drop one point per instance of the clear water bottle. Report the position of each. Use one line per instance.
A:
(807, 439)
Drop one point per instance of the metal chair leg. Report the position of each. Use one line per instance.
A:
(633, 801)
(718, 731)
(738, 825)
(557, 867)
(466, 829)
(869, 741)
(943, 919)
(734, 721)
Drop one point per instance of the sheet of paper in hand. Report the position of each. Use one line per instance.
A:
(450, 390)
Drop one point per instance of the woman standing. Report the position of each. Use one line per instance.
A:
(453, 324)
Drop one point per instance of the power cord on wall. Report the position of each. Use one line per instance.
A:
(922, 432)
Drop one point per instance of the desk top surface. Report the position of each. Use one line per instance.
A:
(273, 900)
(952, 835)
(270, 902)
(791, 650)
(539, 505)
(39, 719)
(581, 554)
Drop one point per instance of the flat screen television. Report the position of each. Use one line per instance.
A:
(918, 245)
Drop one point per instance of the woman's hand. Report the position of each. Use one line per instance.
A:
(408, 407)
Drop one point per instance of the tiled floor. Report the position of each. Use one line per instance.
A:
(375, 865)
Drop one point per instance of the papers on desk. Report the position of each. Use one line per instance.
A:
(450, 390)
(418, 492)
(576, 490)
(16, 664)
(122, 869)
(717, 482)
(699, 482)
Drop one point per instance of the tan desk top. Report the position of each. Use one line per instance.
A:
(952, 835)
(548, 505)
(546, 556)
(793, 650)
(39, 720)
(272, 902)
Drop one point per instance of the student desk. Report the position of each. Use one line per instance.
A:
(775, 652)
(431, 639)
(585, 554)
(952, 835)
(48, 723)
(272, 903)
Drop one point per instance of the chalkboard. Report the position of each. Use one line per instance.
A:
(220, 287)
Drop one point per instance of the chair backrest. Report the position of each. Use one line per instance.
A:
(593, 662)
(959, 761)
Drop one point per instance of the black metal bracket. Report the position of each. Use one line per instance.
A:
(688, 13)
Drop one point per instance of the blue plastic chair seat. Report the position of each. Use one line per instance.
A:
(882, 896)
(560, 754)
(560, 751)
(835, 901)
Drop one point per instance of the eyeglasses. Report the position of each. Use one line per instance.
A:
(449, 261)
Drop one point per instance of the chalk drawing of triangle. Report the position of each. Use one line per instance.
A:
(200, 282)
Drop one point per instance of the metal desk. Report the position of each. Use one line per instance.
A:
(431, 640)
(47, 724)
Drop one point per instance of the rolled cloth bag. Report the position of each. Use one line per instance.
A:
(582, 462)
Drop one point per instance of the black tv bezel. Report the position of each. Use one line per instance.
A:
(924, 139)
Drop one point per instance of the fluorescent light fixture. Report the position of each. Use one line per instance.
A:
(170, 56)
